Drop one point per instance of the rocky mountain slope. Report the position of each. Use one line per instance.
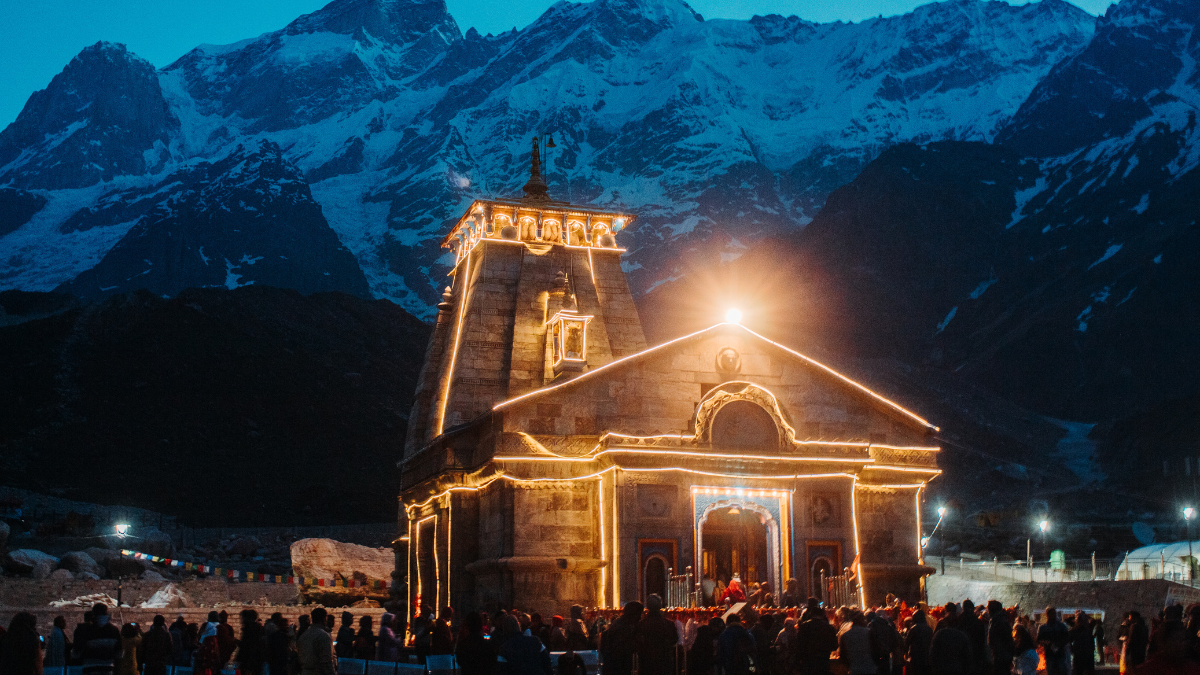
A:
(717, 132)
(257, 406)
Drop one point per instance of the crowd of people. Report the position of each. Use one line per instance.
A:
(805, 638)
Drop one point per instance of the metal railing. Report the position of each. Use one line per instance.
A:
(1045, 571)
(838, 591)
(682, 589)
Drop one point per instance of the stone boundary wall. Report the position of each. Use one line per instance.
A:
(1114, 597)
(145, 617)
(17, 592)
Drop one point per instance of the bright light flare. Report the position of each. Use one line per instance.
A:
(122, 530)
(1044, 526)
(941, 511)
(1189, 513)
(733, 316)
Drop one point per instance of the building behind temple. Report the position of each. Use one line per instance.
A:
(554, 458)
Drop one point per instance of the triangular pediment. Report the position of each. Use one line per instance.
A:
(659, 390)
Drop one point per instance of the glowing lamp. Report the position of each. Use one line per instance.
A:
(1189, 513)
(122, 530)
(733, 316)
(924, 542)
(618, 224)
(1044, 526)
(941, 511)
(734, 510)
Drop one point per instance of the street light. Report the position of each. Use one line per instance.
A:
(1188, 514)
(122, 530)
(1044, 526)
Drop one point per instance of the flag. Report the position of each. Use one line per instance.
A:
(854, 568)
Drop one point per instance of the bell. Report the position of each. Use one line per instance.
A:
(550, 142)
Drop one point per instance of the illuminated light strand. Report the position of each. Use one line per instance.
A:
(420, 581)
(848, 444)
(740, 492)
(408, 564)
(911, 469)
(862, 586)
(892, 404)
(893, 486)
(462, 312)
(685, 453)
(920, 549)
(603, 595)
(437, 572)
(616, 547)
(449, 545)
(592, 270)
(589, 375)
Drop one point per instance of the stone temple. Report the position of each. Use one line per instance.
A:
(554, 458)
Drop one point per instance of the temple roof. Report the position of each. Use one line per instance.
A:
(844, 381)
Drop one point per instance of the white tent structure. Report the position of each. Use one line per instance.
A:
(1161, 561)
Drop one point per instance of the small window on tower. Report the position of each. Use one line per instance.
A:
(568, 336)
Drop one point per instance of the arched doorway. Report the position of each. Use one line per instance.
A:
(737, 541)
(822, 569)
(654, 578)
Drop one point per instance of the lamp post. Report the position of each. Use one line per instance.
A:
(942, 541)
(1188, 514)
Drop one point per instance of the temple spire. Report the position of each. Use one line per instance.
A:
(536, 189)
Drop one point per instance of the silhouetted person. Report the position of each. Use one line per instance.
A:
(657, 637)
(1000, 638)
(917, 642)
(816, 639)
(735, 648)
(252, 647)
(475, 653)
(364, 641)
(98, 644)
(619, 642)
(1054, 637)
(387, 644)
(21, 647)
(315, 647)
(523, 654)
(157, 647)
(344, 643)
(950, 652)
(703, 654)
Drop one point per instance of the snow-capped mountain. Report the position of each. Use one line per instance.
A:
(1056, 267)
(716, 132)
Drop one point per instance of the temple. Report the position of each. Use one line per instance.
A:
(554, 458)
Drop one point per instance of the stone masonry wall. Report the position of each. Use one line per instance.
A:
(1114, 597)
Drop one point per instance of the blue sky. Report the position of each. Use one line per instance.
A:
(39, 37)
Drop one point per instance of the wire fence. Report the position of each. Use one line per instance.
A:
(1067, 570)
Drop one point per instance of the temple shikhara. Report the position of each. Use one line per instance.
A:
(554, 458)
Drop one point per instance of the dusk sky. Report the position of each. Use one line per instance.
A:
(38, 38)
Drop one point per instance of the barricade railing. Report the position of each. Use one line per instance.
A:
(682, 590)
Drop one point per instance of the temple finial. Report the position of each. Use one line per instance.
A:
(536, 188)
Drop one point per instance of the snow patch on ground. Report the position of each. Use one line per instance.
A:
(1110, 252)
(946, 321)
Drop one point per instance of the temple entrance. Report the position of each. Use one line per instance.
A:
(735, 543)
(655, 578)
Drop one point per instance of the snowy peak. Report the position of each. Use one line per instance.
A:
(103, 116)
(395, 21)
(1140, 50)
(246, 218)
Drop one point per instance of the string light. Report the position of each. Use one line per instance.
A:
(862, 586)
(462, 309)
(603, 595)
(592, 373)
